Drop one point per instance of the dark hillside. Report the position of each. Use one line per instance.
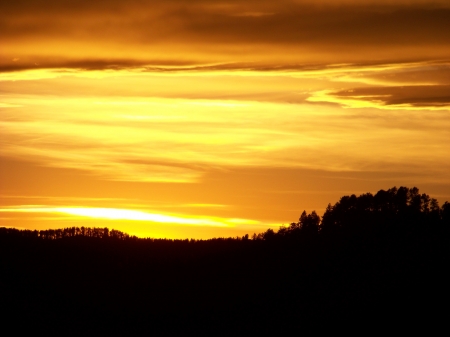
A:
(371, 262)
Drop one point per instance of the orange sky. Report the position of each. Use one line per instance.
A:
(204, 118)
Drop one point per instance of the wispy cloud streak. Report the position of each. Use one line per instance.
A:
(184, 124)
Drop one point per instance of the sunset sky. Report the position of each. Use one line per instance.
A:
(200, 119)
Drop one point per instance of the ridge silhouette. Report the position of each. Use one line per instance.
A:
(379, 261)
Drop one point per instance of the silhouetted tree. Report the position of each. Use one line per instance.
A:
(445, 213)
(309, 224)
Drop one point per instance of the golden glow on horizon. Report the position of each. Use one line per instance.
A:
(133, 215)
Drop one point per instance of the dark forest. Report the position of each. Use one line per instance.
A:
(369, 263)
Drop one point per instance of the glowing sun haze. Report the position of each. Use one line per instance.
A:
(202, 118)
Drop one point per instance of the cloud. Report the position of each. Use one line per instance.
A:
(414, 96)
(45, 33)
(196, 136)
(175, 123)
(370, 84)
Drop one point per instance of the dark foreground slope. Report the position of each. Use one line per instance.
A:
(370, 264)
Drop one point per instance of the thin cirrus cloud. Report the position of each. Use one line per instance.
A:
(176, 126)
(142, 150)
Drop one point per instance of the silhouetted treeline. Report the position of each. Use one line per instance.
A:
(395, 211)
(372, 262)
(392, 211)
(53, 234)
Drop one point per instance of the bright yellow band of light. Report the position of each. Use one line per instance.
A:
(134, 215)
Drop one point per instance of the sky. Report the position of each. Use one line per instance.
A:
(201, 119)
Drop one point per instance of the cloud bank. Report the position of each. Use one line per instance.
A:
(36, 33)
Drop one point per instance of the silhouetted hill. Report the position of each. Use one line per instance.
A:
(372, 262)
